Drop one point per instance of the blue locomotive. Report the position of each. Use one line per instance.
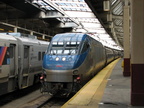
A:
(71, 60)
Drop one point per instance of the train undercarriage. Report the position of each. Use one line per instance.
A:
(60, 89)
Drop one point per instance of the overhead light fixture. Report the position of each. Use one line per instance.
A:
(1, 29)
(106, 5)
(34, 1)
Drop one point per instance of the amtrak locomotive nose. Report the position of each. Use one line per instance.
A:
(63, 58)
(63, 54)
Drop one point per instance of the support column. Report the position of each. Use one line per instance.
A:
(137, 53)
(31, 32)
(15, 29)
(43, 36)
(126, 71)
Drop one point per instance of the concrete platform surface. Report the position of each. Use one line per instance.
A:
(108, 89)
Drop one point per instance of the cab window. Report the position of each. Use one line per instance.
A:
(85, 47)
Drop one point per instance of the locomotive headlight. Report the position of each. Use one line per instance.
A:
(57, 59)
(63, 59)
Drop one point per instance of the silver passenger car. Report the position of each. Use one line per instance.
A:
(20, 62)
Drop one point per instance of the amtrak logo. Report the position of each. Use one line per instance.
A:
(59, 66)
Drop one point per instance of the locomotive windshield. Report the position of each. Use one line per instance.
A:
(66, 48)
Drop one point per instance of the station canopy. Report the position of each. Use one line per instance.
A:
(78, 11)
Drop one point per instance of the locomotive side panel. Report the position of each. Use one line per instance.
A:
(116, 54)
(109, 55)
(94, 61)
(98, 55)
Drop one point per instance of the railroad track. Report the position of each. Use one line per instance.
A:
(20, 97)
(46, 101)
(31, 98)
(37, 102)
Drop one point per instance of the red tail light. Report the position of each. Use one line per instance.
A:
(42, 77)
(78, 78)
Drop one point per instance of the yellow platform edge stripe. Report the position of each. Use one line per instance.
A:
(94, 87)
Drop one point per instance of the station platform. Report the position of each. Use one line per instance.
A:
(108, 89)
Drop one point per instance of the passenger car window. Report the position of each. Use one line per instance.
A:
(39, 56)
(26, 52)
(4, 52)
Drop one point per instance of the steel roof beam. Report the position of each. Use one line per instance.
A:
(10, 25)
(53, 6)
(50, 14)
(66, 25)
(115, 4)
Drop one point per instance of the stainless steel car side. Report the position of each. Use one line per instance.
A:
(20, 62)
